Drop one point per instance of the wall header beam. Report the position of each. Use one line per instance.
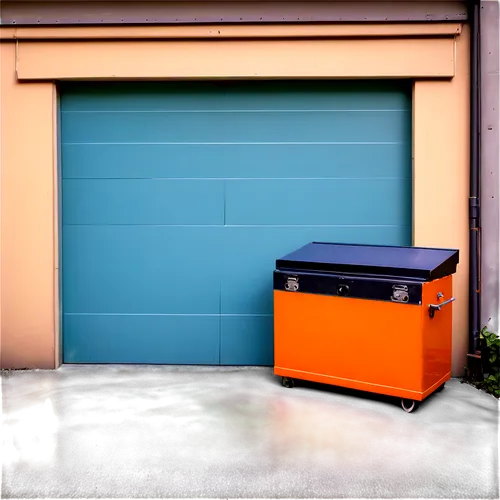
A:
(229, 31)
(363, 58)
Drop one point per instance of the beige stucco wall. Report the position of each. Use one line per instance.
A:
(441, 179)
(437, 60)
(27, 197)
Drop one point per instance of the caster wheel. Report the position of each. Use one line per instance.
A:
(409, 405)
(289, 383)
(440, 388)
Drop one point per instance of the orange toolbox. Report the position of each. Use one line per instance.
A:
(373, 318)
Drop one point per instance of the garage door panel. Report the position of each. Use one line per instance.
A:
(247, 340)
(178, 198)
(143, 201)
(147, 96)
(142, 269)
(249, 256)
(141, 339)
(145, 127)
(327, 202)
(175, 96)
(237, 126)
(246, 283)
(136, 161)
(348, 94)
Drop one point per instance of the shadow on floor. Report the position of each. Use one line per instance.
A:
(124, 431)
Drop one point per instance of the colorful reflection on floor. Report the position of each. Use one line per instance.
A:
(251, 439)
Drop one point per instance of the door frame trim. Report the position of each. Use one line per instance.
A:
(437, 64)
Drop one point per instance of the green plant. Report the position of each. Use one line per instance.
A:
(490, 361)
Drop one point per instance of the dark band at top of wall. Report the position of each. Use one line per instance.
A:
(88, 13)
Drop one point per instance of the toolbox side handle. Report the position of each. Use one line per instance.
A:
(437, 307)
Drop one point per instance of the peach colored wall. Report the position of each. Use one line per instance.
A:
(441, 178)
(27, 229)
(29, 304)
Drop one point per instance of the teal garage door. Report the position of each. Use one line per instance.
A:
(178, 197)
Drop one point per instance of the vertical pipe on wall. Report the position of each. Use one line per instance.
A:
(474, 201)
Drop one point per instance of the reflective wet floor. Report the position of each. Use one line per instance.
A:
(104, 431)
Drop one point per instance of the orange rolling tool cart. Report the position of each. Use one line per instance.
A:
(374, 318)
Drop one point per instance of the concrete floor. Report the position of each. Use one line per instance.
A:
(158, 431)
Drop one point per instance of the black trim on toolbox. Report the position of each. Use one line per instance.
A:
(373, 245)
(355, 287)
(395, 262)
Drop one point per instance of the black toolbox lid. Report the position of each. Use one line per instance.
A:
(425, 264)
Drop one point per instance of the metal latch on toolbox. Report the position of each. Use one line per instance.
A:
(437, 307)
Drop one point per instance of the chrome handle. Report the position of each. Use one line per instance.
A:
(437, 307)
